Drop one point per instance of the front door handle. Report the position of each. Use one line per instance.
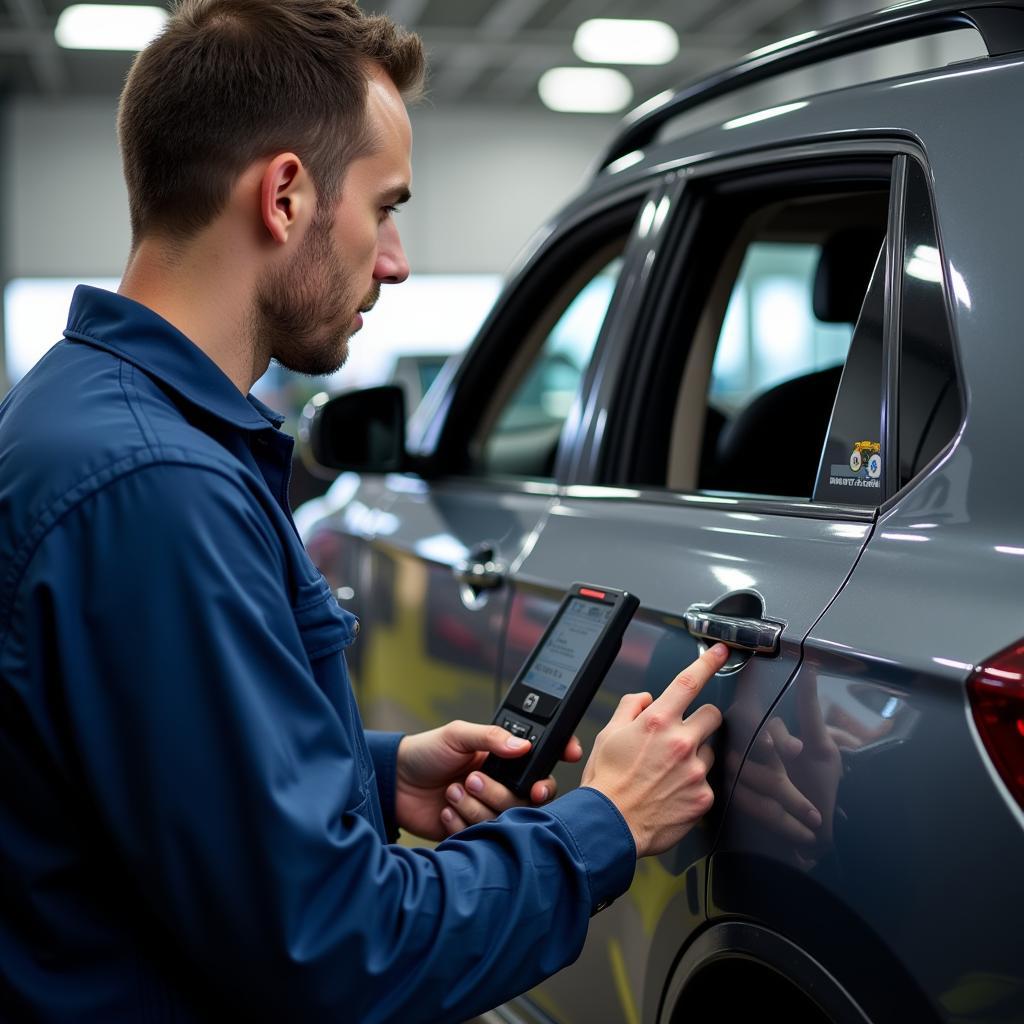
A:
(480, 575)
(756, 636)
(479, 571)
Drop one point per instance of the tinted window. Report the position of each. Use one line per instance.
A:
(769, 349)
(790, 352)
(930, 406)
(770, 333)
(524, 436)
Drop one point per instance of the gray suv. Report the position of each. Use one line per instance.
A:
(763, 375)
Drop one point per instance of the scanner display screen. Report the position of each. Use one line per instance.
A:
(557, 662)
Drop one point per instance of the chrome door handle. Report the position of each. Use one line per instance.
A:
(758, 636)
(480, 575)
(479, 570)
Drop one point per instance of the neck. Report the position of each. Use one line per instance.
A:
(207, 293)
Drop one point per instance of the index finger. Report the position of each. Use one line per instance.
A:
(686, 687)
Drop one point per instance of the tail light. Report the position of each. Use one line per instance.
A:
(996, 692)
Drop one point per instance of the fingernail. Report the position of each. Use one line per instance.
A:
(474, 783)
(544, 793)
(516, 743)
(719, 650)
(447, 816)
(814, 818)
(455, 794)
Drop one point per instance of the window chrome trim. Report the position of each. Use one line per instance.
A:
(875, 143)
(756, 504)
(892, 335)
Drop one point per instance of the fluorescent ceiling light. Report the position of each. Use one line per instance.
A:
(625, 41)
(108, 26)
(585, 90)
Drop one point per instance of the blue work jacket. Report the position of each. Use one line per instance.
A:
(193, 824)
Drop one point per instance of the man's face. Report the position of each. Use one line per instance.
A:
(306, 312)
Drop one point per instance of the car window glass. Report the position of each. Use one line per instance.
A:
(770, 333)
(793, 288)
(851, 466)
(524, 436)
(930, 406)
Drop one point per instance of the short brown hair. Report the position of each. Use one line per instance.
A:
(230, 81)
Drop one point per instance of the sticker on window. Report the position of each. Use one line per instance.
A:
(863, 470)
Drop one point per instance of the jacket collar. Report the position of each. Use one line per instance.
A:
(135, 333)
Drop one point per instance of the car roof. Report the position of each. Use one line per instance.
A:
(999, 22)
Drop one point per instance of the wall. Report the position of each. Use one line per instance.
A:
(483, 181)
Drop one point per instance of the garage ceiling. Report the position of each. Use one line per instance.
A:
(482, 52)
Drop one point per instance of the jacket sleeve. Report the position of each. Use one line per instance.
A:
(383, 747)
(230, 787)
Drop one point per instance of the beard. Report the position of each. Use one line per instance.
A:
(303, 312)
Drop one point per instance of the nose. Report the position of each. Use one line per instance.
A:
(391, 267)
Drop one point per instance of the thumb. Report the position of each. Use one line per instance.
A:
(471, 737)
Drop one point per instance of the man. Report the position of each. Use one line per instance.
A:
(192, 822)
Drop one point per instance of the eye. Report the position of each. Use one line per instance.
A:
(388, 211)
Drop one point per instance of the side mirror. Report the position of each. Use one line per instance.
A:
(362, 431)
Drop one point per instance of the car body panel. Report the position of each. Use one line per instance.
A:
(671, 555)
(911, 899)
(434, 657)
(914, 787)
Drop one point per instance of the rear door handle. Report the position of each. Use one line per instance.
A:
(756, 636)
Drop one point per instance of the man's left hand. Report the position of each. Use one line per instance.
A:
(439, 790)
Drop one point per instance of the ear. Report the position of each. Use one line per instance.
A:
(287, 197)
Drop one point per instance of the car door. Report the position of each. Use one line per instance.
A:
(437, 549)
(889, 749)
(719, 484)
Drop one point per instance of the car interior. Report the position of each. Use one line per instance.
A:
(773, 444)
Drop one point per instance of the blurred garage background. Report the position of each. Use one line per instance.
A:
(522, 95)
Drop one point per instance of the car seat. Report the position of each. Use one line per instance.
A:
(773, 446)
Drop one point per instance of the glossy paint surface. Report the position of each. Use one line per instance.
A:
(672, 557)
(908, 896)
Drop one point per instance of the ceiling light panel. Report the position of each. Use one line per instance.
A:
(625, 41)
(108, 26)
(585, 90)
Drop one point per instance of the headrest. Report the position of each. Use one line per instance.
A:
(844, 273)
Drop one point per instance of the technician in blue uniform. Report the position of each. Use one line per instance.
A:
(193, 824)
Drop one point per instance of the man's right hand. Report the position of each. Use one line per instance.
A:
(653, 764)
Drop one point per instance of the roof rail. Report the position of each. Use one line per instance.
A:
(1000, 23)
